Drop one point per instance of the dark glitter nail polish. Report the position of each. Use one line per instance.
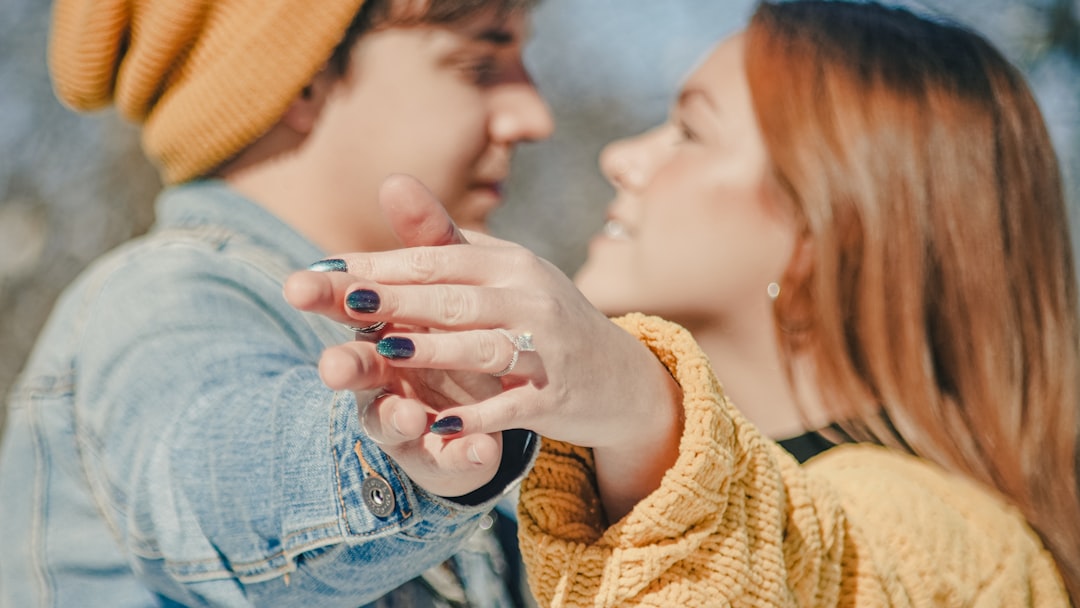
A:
(393, 347)
(447, 426)
(333, 265)
(363, 300)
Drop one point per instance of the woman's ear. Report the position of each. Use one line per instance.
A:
(794, 306)
(304, 110)
(802, 259)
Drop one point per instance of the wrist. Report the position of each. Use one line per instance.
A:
(630, 470)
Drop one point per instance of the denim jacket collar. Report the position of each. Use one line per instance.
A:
(211, 202)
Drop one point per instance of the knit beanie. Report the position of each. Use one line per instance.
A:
(205, 78)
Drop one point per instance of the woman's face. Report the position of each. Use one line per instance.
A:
(695, 234)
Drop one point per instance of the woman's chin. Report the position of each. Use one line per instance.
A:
(605, 299)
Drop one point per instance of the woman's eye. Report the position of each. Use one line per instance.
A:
(686, 133)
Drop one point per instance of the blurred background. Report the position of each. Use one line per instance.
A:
(73, 186)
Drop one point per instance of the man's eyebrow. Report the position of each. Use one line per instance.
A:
(496, 36)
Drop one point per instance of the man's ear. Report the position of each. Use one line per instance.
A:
(304, 110)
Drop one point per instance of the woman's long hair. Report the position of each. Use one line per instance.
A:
(940, 310)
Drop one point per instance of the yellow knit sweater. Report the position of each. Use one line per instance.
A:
(737, 522)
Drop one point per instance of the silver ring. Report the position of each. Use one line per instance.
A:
(522, 344)
(368, 329)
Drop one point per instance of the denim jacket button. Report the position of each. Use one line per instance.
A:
(378, 496)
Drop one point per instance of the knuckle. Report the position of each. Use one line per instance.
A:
(546, 306)
(431, 351)
(390, 302)
(490, 350)
(521, 409)
(454, 305)
(422, 264)
(362, 266)
(480, 422)
(521, 260)
(340, 366)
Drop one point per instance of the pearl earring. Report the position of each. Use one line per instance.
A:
(774, 290)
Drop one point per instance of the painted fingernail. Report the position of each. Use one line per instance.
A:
(447, 426)
(393, 347)
(363, 300)
(332, 265)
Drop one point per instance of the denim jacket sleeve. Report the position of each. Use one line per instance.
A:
(224, 466)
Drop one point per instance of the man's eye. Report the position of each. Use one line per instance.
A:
(483, 71)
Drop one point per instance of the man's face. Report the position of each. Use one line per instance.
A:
(446, 104)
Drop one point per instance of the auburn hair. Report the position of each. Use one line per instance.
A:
(941, 307)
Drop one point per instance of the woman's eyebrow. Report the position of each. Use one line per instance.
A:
(689, 94)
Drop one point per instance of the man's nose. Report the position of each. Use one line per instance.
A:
(520, 114)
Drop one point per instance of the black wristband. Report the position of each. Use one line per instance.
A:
(519, 449)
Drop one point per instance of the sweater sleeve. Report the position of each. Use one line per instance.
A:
(737, 522)
(725, 526)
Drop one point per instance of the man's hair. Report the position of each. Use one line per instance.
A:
(376, 14)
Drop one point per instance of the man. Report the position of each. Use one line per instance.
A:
(170, 440)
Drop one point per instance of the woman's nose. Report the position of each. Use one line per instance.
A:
(624, 162)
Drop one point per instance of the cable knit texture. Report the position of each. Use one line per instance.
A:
(737, 522)
(204, 78)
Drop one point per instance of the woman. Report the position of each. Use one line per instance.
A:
(858, 214)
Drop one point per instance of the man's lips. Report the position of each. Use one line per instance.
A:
(495, 186)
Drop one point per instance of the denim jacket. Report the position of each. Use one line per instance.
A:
(170, 441)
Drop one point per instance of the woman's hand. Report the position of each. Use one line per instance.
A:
(587, 382)
(396, 405)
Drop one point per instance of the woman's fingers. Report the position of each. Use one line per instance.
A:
(518, 407)
(348, 295)
(391, 420)
(415, 215)
(449, 466)
(419, 219)
(320, 292)
(308, 290)
(445, 307)
(354, 366)
(401, 427)
(491, 264)
(442, 465)
(490, 351)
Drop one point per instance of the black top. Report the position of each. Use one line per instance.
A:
(809, 444)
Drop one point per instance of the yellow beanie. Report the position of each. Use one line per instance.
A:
(206, 78)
